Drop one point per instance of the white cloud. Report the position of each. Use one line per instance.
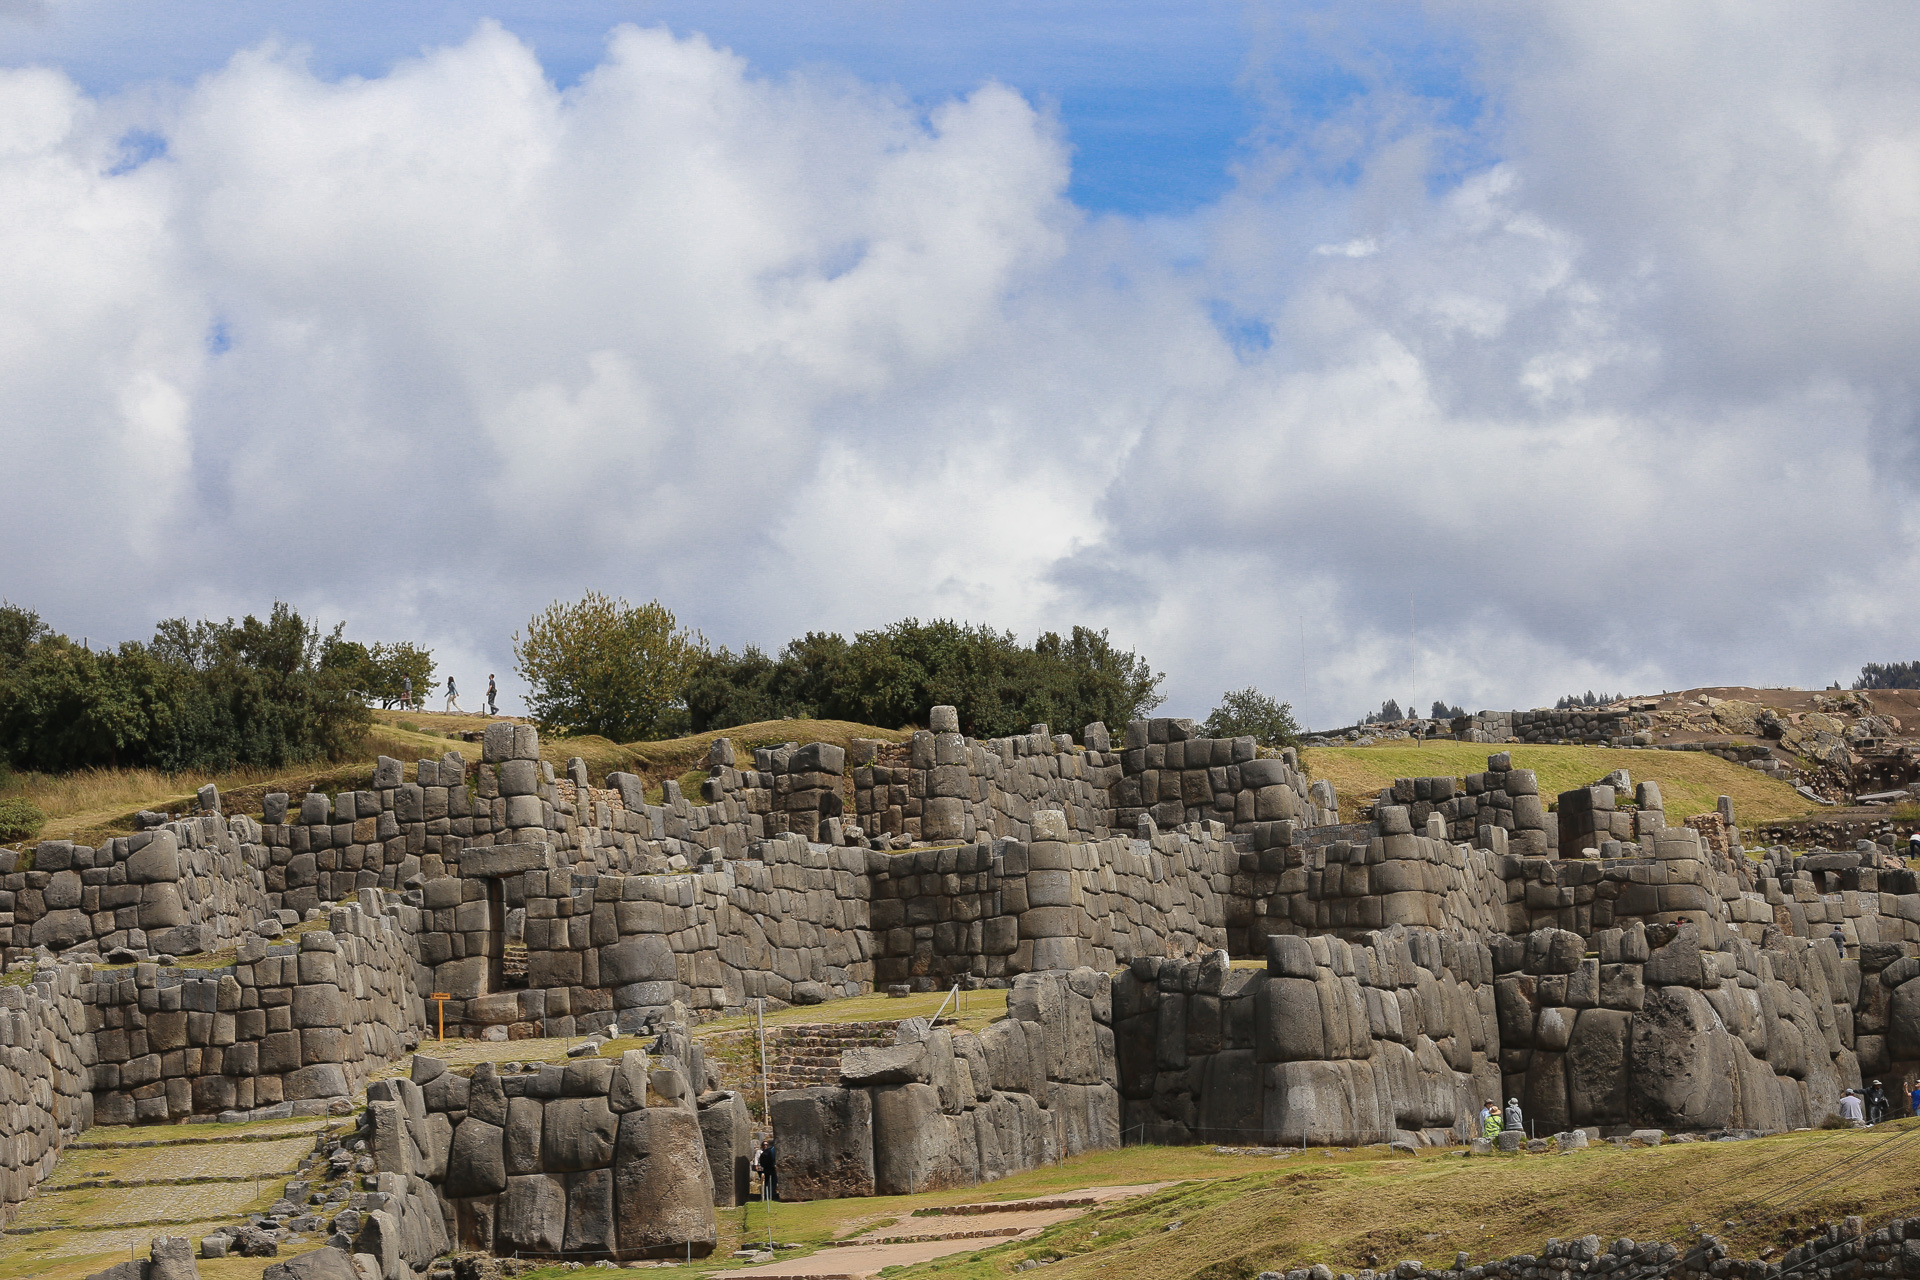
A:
(1631, 407)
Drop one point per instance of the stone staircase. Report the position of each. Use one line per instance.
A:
(802, 1057)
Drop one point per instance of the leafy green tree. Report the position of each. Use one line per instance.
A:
(379, 674)
(1249, 713)
(892, 675)
(601, 665)
(202, 695)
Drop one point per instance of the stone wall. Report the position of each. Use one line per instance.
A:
(595, 1158)
(1393, 1038)
(186, 887)
(949, 1108)
(294, 1026)
(1841, 1251)
(44, 1056)
(991, 911)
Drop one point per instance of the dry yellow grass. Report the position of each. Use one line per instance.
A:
(1690, 781)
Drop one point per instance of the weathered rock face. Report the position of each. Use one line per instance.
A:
(726, 1127)
(663, 1191)
(823, 1143)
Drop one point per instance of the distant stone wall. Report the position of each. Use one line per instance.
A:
(1841, 1251)
(995, 911)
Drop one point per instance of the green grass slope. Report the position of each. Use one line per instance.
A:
(1690, 781)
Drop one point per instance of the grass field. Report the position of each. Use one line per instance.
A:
(1690, 781)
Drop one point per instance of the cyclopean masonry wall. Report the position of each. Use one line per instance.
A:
(596, 1158)
(44, 1055)
(1393, 1038)
(946, 1108)
(294, 1026)
(186, 887)
(544, 905)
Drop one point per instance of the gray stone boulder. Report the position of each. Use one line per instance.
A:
(577, 1134)
(533, 1215)
(1681, 1068)
(885, 1065)
(662, 1191)
(726, 1127)
(319, 1264)
(914, 1145)
(476, 1164)
(823, 1140)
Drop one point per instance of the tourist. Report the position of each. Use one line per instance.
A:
(453, 697)
(406, 692)
(1850, 1107)
(493, 696)
(1876, 1104)
(1913, 1097)
(1913, 843)
(764, 1162)
(1839, 941)
(1490, 1120)
(1513, 1118)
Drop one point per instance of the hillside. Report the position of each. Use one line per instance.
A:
(1690, 781)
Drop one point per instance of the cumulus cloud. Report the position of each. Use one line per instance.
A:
(1628, 404)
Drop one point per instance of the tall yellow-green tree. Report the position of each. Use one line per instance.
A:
(603, 666)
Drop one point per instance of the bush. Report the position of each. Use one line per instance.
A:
(20, 819)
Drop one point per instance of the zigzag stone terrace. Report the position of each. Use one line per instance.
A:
(1613, 971)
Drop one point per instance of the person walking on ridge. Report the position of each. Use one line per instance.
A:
(453, 697)
(493, 696)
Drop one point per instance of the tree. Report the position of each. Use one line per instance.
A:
(380, 674)
(1249, 713)
(1389, 712)
(1441, 711)
(604, 666)
(203, 695)
(1889, 675)
(892, 675)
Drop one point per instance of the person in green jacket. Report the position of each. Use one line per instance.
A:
(1490, 1125)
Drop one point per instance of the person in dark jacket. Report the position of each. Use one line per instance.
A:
(1876, 1104)
(765, 1163)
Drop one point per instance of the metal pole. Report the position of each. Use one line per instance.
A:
(766, 1106)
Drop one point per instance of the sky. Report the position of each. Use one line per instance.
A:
(1478, 352)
